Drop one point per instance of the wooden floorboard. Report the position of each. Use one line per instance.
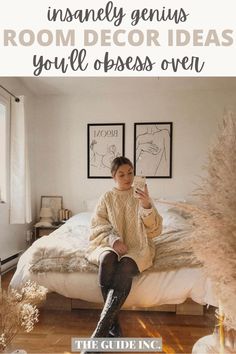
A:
(55, 329)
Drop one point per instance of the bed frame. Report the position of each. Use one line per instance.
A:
(55, 301)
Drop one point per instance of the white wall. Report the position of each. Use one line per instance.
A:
(60, 135)
(13, 237)
(57, 128)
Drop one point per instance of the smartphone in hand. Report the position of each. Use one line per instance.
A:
(139, 183)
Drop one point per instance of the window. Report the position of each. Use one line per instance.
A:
(4, 147)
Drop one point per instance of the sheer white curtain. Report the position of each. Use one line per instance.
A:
(20, 197)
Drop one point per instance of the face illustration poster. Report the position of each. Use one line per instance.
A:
(83, 83)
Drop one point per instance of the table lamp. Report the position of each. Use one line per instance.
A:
(45, 217)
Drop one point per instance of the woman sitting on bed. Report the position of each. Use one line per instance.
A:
(120, 242)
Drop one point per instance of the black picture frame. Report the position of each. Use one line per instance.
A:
(105, 142)
(153, 149)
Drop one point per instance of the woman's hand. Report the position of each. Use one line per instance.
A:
(143, 197)
(120, 247)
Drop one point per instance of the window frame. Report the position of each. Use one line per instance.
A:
(5, 188)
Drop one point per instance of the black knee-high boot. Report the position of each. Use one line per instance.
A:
(121, 282)
(107, 269)
(116, 296)
(114, 301)
(115, 330)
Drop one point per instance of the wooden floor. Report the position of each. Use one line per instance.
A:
(55, 329)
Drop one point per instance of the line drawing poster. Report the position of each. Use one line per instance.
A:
(153, 149)
(105, 142)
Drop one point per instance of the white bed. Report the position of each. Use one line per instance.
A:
(56, 261)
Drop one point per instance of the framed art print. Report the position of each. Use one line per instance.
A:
(153, 149)
(105, 142)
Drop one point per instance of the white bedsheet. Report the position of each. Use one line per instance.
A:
(148, 289)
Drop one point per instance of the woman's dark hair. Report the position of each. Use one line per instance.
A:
(119, 161)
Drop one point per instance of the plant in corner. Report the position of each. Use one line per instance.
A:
(213, 237)
(18, 310)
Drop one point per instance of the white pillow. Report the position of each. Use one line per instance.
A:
(173, 222)
(161, 207)
(172, 218)
(80, 219)
(182, 212)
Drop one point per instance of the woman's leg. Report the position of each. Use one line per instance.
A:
(126, 267)
(120, 287)
(123, 277)
(107, 268)
(120, 284)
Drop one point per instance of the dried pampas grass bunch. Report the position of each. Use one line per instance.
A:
(214, 241)
(214, 219)
(18, 310)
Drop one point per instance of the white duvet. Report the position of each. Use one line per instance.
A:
(149, 288)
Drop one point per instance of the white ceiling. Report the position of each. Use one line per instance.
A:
(101, 85)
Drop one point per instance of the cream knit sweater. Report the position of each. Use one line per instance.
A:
(118, 215)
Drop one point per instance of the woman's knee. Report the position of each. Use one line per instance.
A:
(107, 268)
(128, 266)
(108, 258)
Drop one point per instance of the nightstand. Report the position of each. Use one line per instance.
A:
(44, 230)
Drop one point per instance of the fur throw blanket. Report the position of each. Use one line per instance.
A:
(64, 251)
